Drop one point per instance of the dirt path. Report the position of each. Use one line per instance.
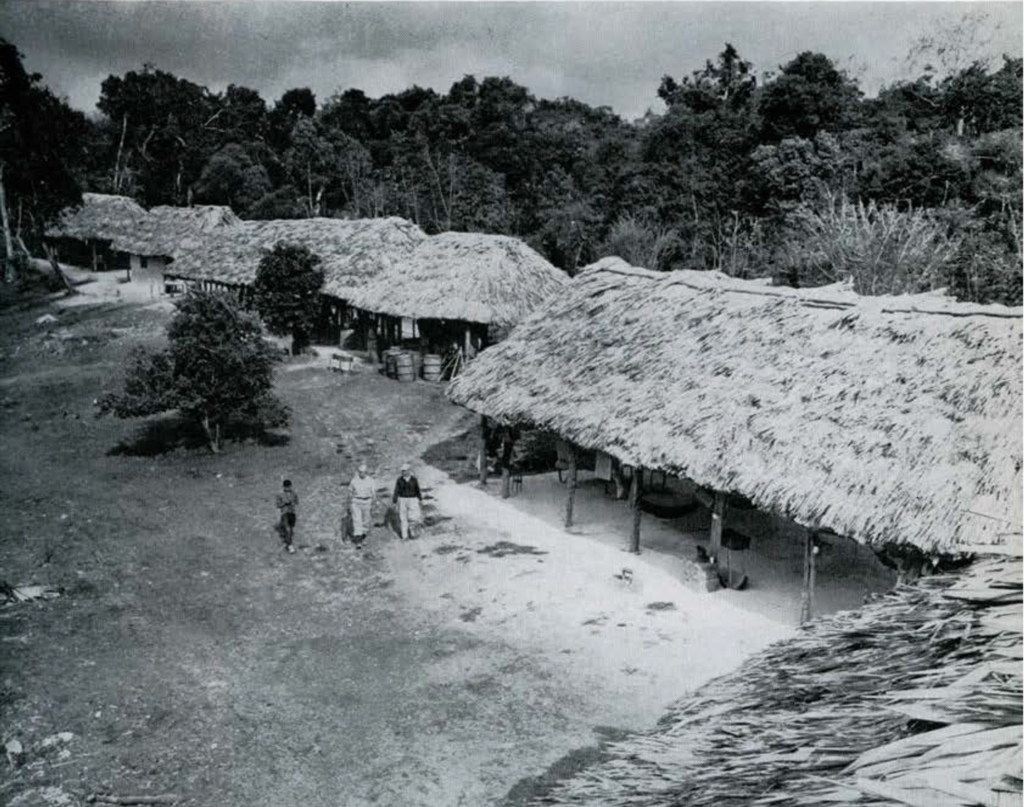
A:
(189, 654)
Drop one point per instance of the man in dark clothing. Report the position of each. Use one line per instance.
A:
(287, 501)
(408, 498)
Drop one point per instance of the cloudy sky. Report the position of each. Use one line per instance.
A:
(604, 53)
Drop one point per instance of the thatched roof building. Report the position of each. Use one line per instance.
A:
(100, 217)
(351, 251)
(165, 230)
(886, 419)
(465, 277)
(913, 700)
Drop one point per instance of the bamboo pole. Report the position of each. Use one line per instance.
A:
(484, 434)
(570, 499)
(717, 519)
(634, 503)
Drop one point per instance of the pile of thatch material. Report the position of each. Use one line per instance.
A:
(351, 251)
(885, 419)
(914, 700)
(468, 277)
(101, 217)
(165, 230)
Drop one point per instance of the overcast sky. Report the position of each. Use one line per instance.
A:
(606, 53)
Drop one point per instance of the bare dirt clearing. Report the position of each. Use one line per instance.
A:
(188, 654)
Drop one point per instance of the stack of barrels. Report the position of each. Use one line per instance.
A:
(409, 365)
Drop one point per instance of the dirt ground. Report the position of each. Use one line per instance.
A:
(188, 654)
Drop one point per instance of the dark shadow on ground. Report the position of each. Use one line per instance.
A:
(531, 789)
(535, 454)
(168, 433)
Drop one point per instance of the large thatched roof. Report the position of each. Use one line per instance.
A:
(165, 230)
(914, 700)
(490, 279)
(351, 251)
(100, 217)
(867, 416)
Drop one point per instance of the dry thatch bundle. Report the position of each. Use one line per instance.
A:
(469, 277)
(914, 700)
(886, 419)
(165, 229)
(101, 217)
(351, 251)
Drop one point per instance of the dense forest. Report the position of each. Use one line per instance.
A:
(794, 174)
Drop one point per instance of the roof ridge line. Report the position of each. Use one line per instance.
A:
(812, 302)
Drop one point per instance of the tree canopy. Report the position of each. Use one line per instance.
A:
(286, 292)
(719, 173)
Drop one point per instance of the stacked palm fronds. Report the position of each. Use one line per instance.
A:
(914, 700)
(166, 230)
(468, 277)
(100, 217)
(351, 251)
(885, 419)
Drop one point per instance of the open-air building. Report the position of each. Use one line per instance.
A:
(165, 231)
(893, 422)
(351, 252)
(86, 235)
(457, 293)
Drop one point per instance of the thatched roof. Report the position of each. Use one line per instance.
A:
(351, 251)
(913, 700)
(490, 279)
(165, 230)
(100, 217)
(868, 416)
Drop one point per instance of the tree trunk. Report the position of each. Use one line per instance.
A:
(10, 274)
(212, 434)
(51, 255)
(120, 147)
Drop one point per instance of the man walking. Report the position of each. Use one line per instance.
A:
(361, 492)
(408, 498)
(287, 501)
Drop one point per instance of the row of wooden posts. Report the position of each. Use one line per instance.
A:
(715, 502)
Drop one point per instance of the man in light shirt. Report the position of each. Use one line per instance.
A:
(362, 489)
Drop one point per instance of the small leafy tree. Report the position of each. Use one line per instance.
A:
(217, 370)
(641, 242)
(287, 290)
(882, 250)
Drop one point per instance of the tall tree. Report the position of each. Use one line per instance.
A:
(808, 96)
(39, 138)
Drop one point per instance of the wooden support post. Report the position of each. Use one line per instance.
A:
(717, 517)
(95, 260)
(485, 433)
(508, 444)
(810, 575)
(570, 499)
(634, 503)
(468, 344)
